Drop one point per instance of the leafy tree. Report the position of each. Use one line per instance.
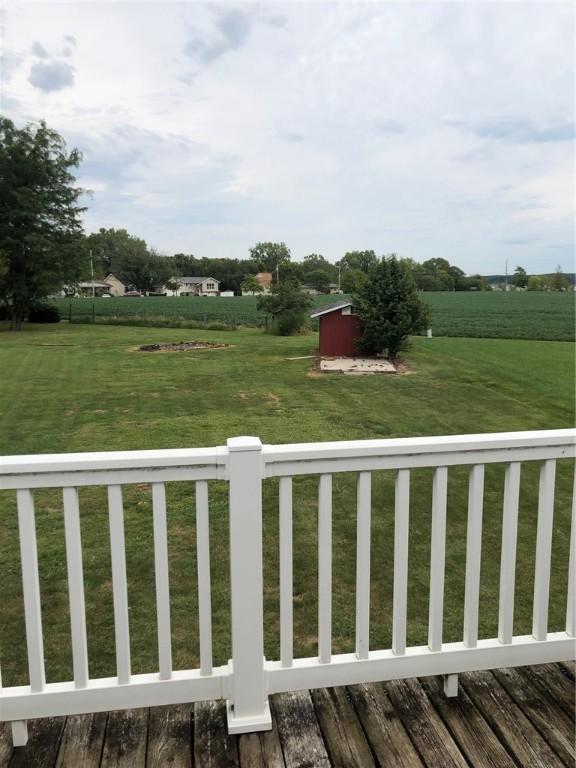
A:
(318, 271)
(40, 229)
(363, 261)
(251, 285)
(520, 278)
(319, 279)
(172, 285)
(352, 280)
(536, 283)
(390, 308)
(269, 256)
(559, 281)
(286, 307)
(477, 283)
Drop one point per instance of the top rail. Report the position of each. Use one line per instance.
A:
(398, 453)
(57, 470)
(114, 467)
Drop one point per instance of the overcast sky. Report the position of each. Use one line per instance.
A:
(427, 129)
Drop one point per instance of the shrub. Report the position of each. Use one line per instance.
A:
(390, 308)
(44, 313)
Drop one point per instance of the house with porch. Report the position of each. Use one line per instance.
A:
(194, 286)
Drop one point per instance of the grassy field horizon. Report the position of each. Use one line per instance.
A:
(486, 314)
(68, 388)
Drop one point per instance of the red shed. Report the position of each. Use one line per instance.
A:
(339, 329)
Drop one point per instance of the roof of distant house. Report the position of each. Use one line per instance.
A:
(119, 276)
(324, 310)
(195, 280)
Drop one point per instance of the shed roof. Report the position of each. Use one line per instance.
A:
(342, 304)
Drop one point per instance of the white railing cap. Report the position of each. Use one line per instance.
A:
(418, 445)
(111, 460)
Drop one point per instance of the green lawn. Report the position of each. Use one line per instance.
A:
(80, 388)
(531, 315)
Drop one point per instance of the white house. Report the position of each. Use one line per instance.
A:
(118, 284)
(195, 286)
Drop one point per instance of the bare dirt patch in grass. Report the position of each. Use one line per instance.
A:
(181, 346)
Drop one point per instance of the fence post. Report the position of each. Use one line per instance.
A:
(247, 708)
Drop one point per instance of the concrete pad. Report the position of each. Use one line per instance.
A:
(356, 365)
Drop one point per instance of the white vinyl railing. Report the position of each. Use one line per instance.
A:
(247, 680)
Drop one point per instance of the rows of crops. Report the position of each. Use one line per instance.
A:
(548, 316)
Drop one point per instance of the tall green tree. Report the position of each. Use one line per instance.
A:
(390, 308)
(559, 281)
(41, 237)
(520, 278)
(363, 261)
(269, 256)
(251, 285)
(286, 308)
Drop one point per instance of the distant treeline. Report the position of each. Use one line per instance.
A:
(115, 250)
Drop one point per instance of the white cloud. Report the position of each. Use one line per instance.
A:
(428, 129)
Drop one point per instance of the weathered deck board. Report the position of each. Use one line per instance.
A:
(5, 744)
(261, 750)
(425, 727)
(501, 719)
(43, 744)
(82, 741)
(540, 709)
(508, 722)
(170, 737)
(554, 683)
(343, 734)
(470, 730)
(125, 740)
(569, 667)
(299, 731)
(384, 729)
(213, 748)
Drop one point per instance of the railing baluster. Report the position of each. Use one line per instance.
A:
(437, 558)
(571, 600)
(31, 588)
(119, 583)
(543, 549)
(363, 565)
(162, 580)
(473, 555)
(401, 527)
(75, 586)
(325, 569)
(286, 575)
(204, 581)
(508, 555)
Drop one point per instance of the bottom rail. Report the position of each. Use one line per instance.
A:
(418, 661)
(103, 694)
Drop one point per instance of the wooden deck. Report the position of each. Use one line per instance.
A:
(506, 718)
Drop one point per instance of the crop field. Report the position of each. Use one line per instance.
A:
(67, 388)
(531, 315)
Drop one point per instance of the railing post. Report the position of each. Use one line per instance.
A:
(247, 708)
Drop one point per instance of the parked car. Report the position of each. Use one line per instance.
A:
(133, 294)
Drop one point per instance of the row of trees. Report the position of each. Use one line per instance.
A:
(43, 245)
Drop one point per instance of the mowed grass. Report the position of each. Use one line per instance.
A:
(85, 388)
(486, 314)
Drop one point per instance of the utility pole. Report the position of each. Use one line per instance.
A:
(92, 272)
(506, 276)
